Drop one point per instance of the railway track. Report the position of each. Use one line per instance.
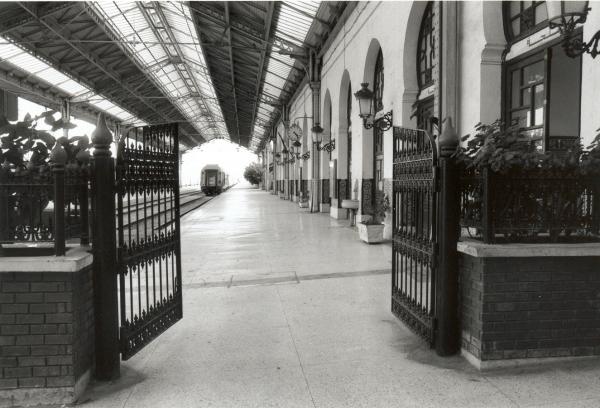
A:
(188, 202)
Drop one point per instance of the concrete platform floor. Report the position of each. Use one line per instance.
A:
(267, 326)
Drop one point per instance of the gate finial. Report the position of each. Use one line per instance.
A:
(101, 137)
(448, 140)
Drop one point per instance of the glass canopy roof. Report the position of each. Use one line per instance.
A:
(295, 19)
(162, 38)
(38, 69)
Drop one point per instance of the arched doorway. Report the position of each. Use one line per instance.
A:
(324, 156)
(344, 144)
(378, 84)
(372, 139)
(427, 61)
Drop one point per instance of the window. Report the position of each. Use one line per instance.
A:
(426, 61)
(426, 56)
(528, 97)
(523, 18)
(542, 98)
(425, 114)
(378, 82)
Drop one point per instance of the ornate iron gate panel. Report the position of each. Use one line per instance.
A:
(414, 261)
(149, 262)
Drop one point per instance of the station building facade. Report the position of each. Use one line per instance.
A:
(459, 62)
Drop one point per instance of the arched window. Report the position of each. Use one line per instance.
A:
(426, 61)
(523, 18)
(349, 159)
(426, 56)
(378, 82)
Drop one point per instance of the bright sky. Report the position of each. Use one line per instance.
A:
(83, 127)
(232, 158)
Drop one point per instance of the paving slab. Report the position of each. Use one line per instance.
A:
(318, 336)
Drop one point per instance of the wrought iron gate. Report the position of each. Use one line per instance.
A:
(149, 262)
(414, 260)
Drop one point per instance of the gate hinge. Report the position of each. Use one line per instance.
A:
(436, 251)
(436, 179)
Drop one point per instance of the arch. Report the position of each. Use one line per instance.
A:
(409, 61)
(342, 144)
(327, 135)
(367, 134)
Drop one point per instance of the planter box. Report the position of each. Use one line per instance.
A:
(370, 233)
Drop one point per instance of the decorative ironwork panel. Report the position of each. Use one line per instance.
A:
(149, 249)
(304, 188)
(367, 196)
(530, 206)
(325, 198)
(342, 191)
(414, 261)
(27, 204)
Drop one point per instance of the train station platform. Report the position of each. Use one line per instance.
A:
(283, 308)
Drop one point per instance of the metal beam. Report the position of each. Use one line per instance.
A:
(63, 34)
(116, 40)
(27, 19)
(261, 64)
(232, 69)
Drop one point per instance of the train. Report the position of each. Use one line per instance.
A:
(213, 180)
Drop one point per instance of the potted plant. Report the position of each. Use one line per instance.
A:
(514, 192)
(303, 200)
(25, 162)
(371, 231)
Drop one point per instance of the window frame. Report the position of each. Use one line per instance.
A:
(378, 142)
(507, 22)
(545, 51)
(428, 14)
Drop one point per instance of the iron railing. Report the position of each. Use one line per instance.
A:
(44, 206)
(538, 205)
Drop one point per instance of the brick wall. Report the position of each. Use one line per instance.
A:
(530, 307)
(46, 328)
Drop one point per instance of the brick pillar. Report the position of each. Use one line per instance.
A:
(46, 328)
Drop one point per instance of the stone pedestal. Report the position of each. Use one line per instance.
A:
(337, 213)
(47, 328)
(528, 303)
(324, 207)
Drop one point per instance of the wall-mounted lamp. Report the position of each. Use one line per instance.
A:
(364, 96)
(317, 138)
(317, 134)
(565, 15)
(295, 148)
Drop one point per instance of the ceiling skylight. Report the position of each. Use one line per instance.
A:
(295, 19)
(22, 60)
(162, 38)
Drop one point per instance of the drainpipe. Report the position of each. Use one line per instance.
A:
(65, 113)
(315, 86)
(286, 129)
(275, 189)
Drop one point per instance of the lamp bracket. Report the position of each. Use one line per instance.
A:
(384, 122)
(575, 46)
(328, 147)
